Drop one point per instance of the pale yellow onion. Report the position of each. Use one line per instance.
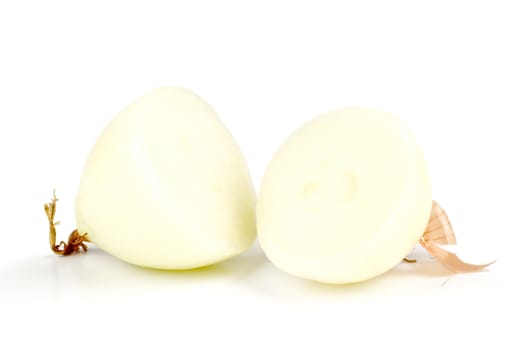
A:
(166, 185)
(345, 198)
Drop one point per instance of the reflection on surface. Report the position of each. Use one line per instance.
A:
(405, 279)
(98, 274)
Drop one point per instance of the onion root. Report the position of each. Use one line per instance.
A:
(76, 241)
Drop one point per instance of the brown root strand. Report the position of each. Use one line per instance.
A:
(75, 242)
(410, 261)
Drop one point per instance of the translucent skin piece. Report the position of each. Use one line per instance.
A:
(439, 232)
(166, 185)
(345, 198)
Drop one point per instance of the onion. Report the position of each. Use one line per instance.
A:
(165, 186)
(345, 198)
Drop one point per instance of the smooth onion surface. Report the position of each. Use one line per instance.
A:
(166, 185)
(345, 198)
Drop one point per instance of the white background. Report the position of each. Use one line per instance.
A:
(453, 70)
